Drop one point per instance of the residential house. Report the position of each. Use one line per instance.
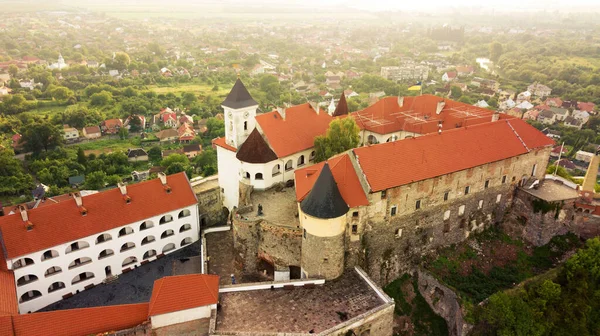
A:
(70, 133)
(113, 73)
(325, 94)
(140, 175)
(523, 96)
(449, 76)
(405, 72)
(168, 152)
(587, 107)
(332, 80)
(539, 90)
(169, 119)
(186, 133)
(482, 103)
(515, 112)
(137, 154)
(92, 132)
(461, 86)
(553, 102)
(584, 156)
(76, 181)
(92, 64)
(463, 71)
(567, 164)
(506, 94)
(350, 93)
(583, 116)
(551, 133)
(111, 126)
(556, 151)
(16, 141)
(485, 83)
(4, 91)
(560, 113)
(185, 119)
(507, 104)
(167, 135)
(569, 104)
(141, 118)
(30, 84)
(573, 122)
(531, 115)
(191, 151)
(547, 117)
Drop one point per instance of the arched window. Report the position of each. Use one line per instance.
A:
(105, 253)
(103, 238)
(392, 138)
(258, 176)
(184, 213)
(185, 227)
(246, 175)
(80, 262)
(77, 246)
(127, 246)
(52, 271)
(32, 294)
(149, 254)
(276, 169)
(82, 277)
(125, 231)
(26, 279)
(186, 241)
(167, 233)
(49, 255)
(300, 161)
(128, 261)
(56, 286)
(372, 140)
(312, 156)
(146, 225)
(289, 165)
(168, 247)
(22, 263)
(165, 219)
(148, 240)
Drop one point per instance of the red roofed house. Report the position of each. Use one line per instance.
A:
(186, 133)
(92, 132)
(466, 70)
(587, 107)
(449, 76)
(169, 119)
(61, 248)
(16, 141)
(553, 102)
(111, 126)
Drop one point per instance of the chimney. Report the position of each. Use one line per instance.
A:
(79, 202)
(496, 116)
(281, 111)
(163, 180)
(123, 189)
(440, 107)
(25, 217)
(400, 101)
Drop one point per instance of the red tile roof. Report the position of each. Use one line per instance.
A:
(296, 132)
(92, 129)
(588, 107)
(418, 115)
(344, 175)
(113, 123)
(401, 162)
(8, 293)
(222, 143)
(175, 293)
(6, 328)
(62, 222)
(166, 116)
(82, 321)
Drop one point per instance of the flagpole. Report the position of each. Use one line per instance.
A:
(559, 155)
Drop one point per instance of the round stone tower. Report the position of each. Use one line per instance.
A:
(323, 219)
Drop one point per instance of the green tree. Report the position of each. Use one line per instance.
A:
(123, 133)
(81, 159)
(13, 70)
(496, 50)
(342, 134)
(101, 98)
(61, 93)
(95, 180)
(154, 153)
(175, 167)
(121, 61)
(173, 158)
(41, 135)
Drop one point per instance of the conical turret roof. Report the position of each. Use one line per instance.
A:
(342, 107)
(239, 97)
(324, 200)
(255, 150)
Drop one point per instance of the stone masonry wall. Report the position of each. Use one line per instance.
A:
(380, 323)
(538, 227)
(210, 207)
(323, 256)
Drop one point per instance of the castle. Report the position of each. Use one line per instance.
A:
(429, 172)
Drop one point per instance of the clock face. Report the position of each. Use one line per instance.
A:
(230, 114)
(246, 114)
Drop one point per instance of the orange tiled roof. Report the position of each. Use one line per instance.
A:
(6, 328)
(344, 175)
(401, 162)
(296, 132)
(222, 143)
(418, 115)
(62, 222)
(82, 321)
(175, 293)
(8, 293)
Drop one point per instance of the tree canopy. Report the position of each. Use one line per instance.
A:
(342, 134)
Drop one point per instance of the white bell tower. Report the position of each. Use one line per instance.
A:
(240, 112)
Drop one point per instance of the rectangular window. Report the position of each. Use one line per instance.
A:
(498, 198)
(418, 205)
(245, 125)
(480, 205)
(447, 215)
(325, 260)
(393, 211)
(446, 195)
(383, 194)
(467, 189)
(503, 179)
(487, 184)
(461, 210)
(354, 229)
(355, 214)
(304, 233)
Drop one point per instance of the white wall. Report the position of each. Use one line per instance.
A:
(382, 138)
(267, 170)
(181, 316)
(97, 266)
(235, 135)
(228, 166)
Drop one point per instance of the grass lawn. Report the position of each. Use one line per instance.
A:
(46, 111)
(198, 89)
(106, 145)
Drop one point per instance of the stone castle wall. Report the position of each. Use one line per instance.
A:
(323, 256)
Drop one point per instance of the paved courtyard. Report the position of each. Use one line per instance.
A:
(132, 287)
(279, 207)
